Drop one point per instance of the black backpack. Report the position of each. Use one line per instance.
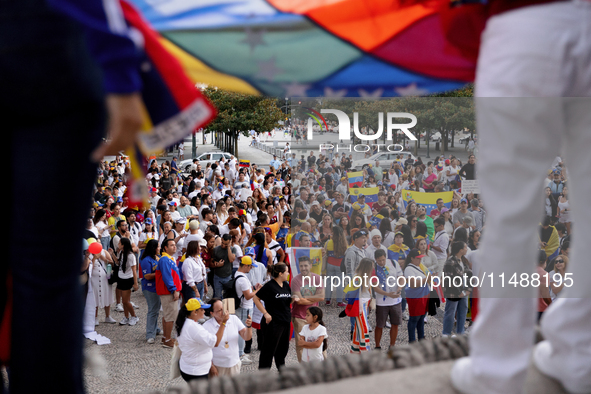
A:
(229, 291)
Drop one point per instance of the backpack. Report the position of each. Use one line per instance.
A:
(229, 291)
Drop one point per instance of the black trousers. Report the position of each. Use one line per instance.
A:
(52, 109)
(275, 344)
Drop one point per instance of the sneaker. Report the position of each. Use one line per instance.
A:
(150, 341)
(96, 322)
(405, 315)
(426, 319)
(327, 303)
(159, 332)
(341, 304)
(245, 360)
(109, 319)
(133, 320)
(134, 305)
(124, 321)
(119, 308)
(388, 325)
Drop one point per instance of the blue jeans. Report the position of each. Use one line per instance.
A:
(52, 99)
(105, 242)
(242, 314)
(200, 289)
(416, 323)
(218, 283)
(153, 301)
(453, 308)
(337, 292)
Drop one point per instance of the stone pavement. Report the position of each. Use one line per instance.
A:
(134, 366)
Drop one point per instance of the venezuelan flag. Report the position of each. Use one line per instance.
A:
(352, 296)
(355, 179)
(375, 220)
(370, 193)
(314, 254)
(378, 48)
(428, 200)
(173, 106)
(396, 253)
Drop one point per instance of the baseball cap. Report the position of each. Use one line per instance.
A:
(401, 221)
(246, 260)
(196, 303)
(148, 221)
(181, 220)
(444, 209)
(447, 162)
(399, 233)
(359, 233)
(249, 251)
(464, 200)
(415, 254)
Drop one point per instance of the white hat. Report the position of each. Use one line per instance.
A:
(375, 232)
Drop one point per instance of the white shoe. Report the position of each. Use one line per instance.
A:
(133, 320)
(109, 319)
(542, 358)
(444, 336)
(134, 305)
(150, 340)
(245, 360)
(124, 321)
(96, 322)
(463, 379)
(426, 319)
(388, 325)
(119, 308)
(405, 315)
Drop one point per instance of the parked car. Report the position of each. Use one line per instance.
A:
(436, 137)
(204, 158)
(465, 139)
(385, 158)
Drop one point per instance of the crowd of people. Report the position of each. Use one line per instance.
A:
(224, 231)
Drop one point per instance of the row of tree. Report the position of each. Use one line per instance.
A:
(239, 113)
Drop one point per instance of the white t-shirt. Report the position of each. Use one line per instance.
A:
(394, 271)
(238, 254)
(225, 355)
(101, 226)
(128, 274)
(242, 284)
(309, 355)
(196, 344)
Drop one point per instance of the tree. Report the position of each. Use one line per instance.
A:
(239, 113)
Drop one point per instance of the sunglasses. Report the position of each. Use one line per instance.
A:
(559, 261)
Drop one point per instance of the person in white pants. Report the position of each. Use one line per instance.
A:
(534, 57)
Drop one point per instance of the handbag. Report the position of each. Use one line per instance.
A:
(175, 369)
(114, 274)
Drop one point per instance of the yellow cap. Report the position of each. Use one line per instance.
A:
(196, 303)
(246, 260)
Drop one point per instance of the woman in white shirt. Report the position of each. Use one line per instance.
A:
(226, 360)
(430, 260)
(194, 272)
(103, 228)
(126, 279)
(195, 342)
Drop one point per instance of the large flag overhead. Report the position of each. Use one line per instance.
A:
(338, 48)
